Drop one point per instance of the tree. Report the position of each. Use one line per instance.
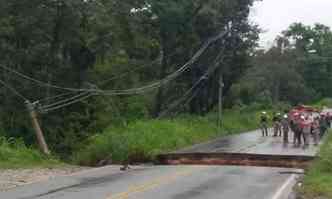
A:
(313, 45)
(115, 45)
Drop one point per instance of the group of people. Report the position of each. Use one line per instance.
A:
(304, 125)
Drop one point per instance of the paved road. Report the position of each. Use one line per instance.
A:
(179, 182)
(253, 143)
(163, 182)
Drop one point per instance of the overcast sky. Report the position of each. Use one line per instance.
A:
(275, 16)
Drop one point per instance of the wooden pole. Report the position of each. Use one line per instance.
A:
(39, 133)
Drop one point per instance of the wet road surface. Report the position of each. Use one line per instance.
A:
(163, 182)
(252, 143)
(179, 182)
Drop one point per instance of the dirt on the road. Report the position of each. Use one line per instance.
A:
(10, 178)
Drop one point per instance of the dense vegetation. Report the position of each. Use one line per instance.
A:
(298, 69)
(15, 154)
(143, 140)
(99, 68)
(115, 45)
(318, 181)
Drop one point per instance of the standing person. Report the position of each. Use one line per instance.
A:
(329, 120)
(316, 130)
(306, 126)
(299, 130)
(264, 124)
(294, 126)
(275, 125)
(323, 125)
(285, 128)
(279, 125)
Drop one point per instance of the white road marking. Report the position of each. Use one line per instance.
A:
(286, 185)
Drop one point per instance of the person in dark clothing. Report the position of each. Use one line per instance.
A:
(264, 124)
(293, 128)
(285, 128)
(297, 129)
(323, 125)
(329, 120)
(280, 118)
(276, 125)
(315, 130)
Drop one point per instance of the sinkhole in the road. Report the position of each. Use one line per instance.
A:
(237, 159)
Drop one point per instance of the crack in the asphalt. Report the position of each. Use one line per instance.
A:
(291, 172)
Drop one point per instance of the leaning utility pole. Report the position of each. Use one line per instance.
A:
(221, 87)
(39, 133)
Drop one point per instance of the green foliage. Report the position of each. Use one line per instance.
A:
(326, 102)
(318, 180)
(297, 69)
(313, 47)
(15, 154)
(142, 140)
(103, 44)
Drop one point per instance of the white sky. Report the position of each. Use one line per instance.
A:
(274, 16)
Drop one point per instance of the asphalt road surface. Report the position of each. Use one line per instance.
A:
(252, 143)
(179, 182)
(163, 182)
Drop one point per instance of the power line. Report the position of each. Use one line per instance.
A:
(44, 84)
(139, 90)
(13, 90)
(66, 104)
(186, 96)
(66, 100)
(116, 77)
(133, 90)
(206, 76)
(195, 93)
(56, 97)
(173, 75)
(70, 93)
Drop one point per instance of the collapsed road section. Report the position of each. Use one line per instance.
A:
(237, 159)
(249, 149)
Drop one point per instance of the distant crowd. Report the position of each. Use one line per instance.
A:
(304, 123)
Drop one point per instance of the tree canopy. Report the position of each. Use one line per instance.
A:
(49, 48)
(298, 69)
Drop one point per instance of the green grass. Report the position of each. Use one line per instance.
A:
(143, 140)
(15, 154)
(318, 181)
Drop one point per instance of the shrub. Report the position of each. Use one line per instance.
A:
(15, 154)
(326, 102)
(142, 140)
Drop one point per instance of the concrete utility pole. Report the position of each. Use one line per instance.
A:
(221, 87)
(39, 133)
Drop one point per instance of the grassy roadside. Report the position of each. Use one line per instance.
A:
(318, 181)
(138, 141)
(143, 140)
(15, 154)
